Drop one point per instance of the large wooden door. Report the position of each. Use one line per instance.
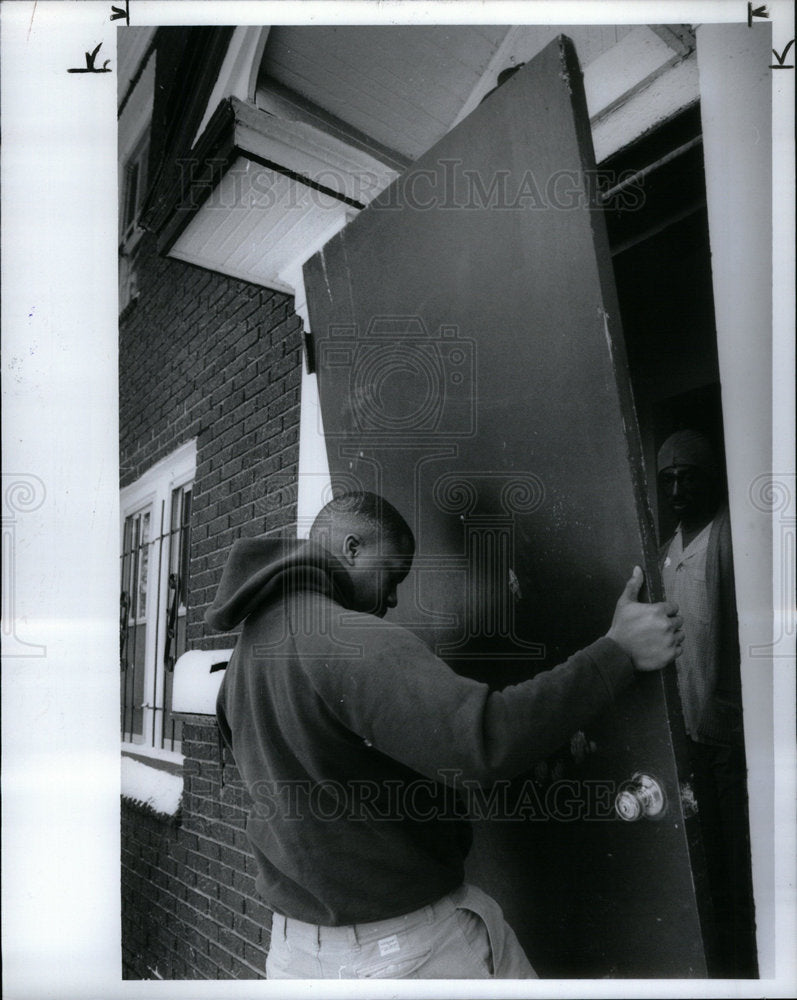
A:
(471, 369)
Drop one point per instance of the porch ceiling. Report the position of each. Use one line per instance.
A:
(405, 86)
(339, 111)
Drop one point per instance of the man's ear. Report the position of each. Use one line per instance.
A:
(351, 548)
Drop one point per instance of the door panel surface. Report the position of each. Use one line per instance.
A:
(471, 370)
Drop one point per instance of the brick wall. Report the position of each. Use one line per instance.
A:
(189, 907)
(203, 355)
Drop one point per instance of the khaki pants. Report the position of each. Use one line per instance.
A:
(461, 936)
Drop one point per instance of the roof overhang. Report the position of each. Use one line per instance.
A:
(270, 180)
(257, 192)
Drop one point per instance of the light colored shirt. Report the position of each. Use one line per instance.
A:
(684, 578)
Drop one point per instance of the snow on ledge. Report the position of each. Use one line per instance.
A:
(151, 788)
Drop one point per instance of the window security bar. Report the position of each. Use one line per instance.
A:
(124, 634)
(175, 587)
(153, 629)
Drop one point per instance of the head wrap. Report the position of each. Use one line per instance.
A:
(686, 448)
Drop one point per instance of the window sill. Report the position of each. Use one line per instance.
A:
(167, 760)
(152, 785)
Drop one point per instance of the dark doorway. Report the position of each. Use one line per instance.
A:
(662, 262)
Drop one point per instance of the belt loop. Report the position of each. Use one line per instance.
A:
(284, 928)
(356, 935)
(318, 935)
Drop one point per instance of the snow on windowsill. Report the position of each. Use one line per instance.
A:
(170, 757)
(155, 791)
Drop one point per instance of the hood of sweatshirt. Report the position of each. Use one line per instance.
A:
(262, 569)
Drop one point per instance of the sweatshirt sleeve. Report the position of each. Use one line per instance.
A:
(409, 704)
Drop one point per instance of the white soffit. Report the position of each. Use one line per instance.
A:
(260, 225)
(403, 85)
(406, 86)
(307, 150)
(257, 223)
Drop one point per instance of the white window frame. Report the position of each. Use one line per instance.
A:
(153, 491)
(138, 161)
(137, 618)
(129, 230)
(133, 130)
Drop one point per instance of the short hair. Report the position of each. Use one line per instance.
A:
(361, 510)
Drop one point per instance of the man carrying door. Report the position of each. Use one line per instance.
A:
(347, 730)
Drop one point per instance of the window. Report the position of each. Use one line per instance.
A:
(136, 96)
(154, 598)
(134, 187)
(132, 190)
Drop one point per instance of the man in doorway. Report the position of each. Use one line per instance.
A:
(697, 573)
(350, 735)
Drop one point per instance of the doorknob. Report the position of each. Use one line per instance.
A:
(641, 796)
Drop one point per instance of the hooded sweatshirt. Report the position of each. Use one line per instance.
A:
(352, 736)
